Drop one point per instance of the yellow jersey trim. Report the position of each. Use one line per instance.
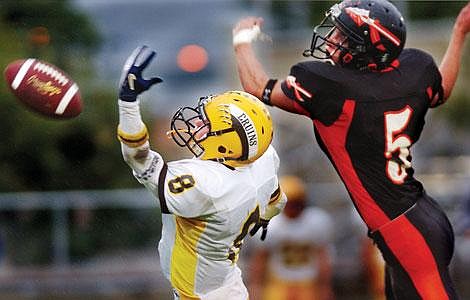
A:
(184, 256)
(133, 140)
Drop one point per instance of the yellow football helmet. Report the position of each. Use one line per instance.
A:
(234, 128)
(293, 187)
(296, 194)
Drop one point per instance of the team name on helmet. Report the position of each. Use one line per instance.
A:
(248, 129)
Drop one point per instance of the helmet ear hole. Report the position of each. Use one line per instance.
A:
(222, 149)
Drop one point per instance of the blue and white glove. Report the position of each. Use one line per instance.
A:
(132, 83)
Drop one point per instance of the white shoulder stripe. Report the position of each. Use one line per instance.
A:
(64, 102)
(22, 73)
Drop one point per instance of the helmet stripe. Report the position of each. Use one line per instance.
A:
(246, 129)
(361, 16)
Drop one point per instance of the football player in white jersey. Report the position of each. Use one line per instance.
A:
(295, 261)
(208, 203)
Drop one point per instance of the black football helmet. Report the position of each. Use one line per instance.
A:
(374, 32)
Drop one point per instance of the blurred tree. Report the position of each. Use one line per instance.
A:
(432, 10)
(53, 29)
(298, 14)
(43, 154)
(317, 10)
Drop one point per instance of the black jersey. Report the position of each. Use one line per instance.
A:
(366, 122)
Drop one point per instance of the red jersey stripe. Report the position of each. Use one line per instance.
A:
(419, 263)
(334, 138)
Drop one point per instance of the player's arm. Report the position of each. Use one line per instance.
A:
(132, 132)
(251, 72)
(276, 203)
(450, 64)
(275, 206)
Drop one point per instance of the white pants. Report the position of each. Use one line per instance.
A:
(234, 289)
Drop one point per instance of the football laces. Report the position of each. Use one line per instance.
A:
(52, 72)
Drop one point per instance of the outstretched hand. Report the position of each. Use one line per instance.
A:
(462, 23)
(247, 23)
(132, 83)
(248, 30)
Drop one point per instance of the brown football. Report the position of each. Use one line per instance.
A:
(44, 88)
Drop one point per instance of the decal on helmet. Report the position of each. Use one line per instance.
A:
(361, 16)
(249, 129)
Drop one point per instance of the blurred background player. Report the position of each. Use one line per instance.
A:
(374, 269)
(294, 262)
(371, 260)
(210, 202)
(368, 97)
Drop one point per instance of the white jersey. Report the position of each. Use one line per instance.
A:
(207, 209)
(291, 243)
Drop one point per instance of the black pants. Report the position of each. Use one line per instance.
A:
(417, 248)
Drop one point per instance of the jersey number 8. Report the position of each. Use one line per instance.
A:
(252, 219)
(181, 183)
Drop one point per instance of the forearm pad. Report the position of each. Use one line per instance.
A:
(131, 130)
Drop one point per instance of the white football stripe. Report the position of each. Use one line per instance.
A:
(64, 102)
(22, 73)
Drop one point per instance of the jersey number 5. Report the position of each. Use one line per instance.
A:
(397, 141)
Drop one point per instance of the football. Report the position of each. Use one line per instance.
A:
(44, 88)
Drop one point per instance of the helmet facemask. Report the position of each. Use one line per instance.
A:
(189, 127)
(345, 46)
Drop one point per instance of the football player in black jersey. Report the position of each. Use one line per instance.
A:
(368, 106)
